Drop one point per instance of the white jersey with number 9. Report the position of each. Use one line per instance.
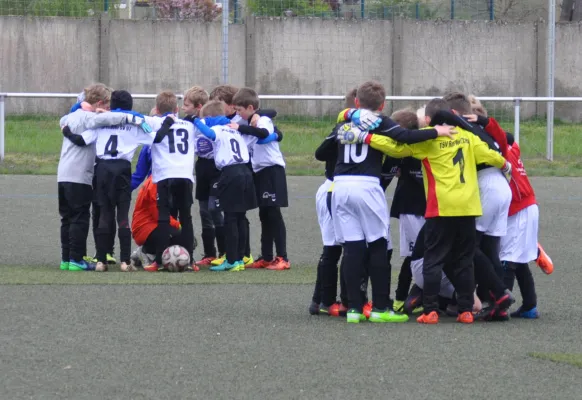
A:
(229, 147)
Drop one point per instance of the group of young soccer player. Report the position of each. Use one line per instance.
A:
(467, 213)
(225, 144)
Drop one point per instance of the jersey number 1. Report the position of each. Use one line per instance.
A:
(460, 159)
(182, 134)
(355, 153)
(111, 146)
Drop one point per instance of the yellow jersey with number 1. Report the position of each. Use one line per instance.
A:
(449, 169)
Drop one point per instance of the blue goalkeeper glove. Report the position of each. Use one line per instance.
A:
(365, 119)
(135, 118)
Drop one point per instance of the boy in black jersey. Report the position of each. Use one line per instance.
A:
(359, 210)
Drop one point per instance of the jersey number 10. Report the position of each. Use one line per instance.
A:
(355, 153)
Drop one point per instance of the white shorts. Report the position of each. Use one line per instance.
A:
(359, 209)
(447, 288)
(495, 199)
(409, 226)
(520, 244)
(323, 215)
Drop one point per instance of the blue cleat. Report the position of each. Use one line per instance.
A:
(225, 266)
(81, 266)
(531, 314)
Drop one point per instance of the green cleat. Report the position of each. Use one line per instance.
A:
(387, 316)
(398, 306)
(111, 259)
(64, 265)
(238, 266)
(354, 317)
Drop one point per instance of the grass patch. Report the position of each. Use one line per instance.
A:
(33, 145)
(565, 358)
(19, 275)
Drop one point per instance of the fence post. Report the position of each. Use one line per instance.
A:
(2, 97)
(362, 8)
(491, 10)
(516, 117)
(551, 66)
(225, 41)
(452, 9)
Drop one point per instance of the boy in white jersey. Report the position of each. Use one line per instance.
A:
(173, 155)
(75, 175)
(270, 182)
(235, 188)
(115, 147)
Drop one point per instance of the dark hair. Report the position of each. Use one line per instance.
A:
(371, 95)
(458, 102)
(510, 138)
(434, 106)
(121, 99)
(405, 118)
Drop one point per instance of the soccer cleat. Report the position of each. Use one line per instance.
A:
(238, 266)
(314, 308)
(367, 309)
(124, 267)
(225, 266)
(219, 260)
(193, 268)
(248, 260)
(354, 317)
(205, 262)
(135, 258)
(500, 316)
(531, 314)
(100, 267)
(279, 264)
(398, 306)
(111, 259)
(465, 318)
(260, 263)
(90, 259)
(338, 310)
(81, 266)
(153, 267)
(64, 266)
(387, 316)
(544, 261)
(413, 303)
(430, 318)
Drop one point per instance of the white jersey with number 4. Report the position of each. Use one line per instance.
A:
(118, 142)
(173, 157)
(229, 147)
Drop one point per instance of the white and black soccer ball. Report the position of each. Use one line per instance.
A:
(175, 259)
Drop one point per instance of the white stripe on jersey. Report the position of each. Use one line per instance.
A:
(229, 147)
(117, 142)
(173, 157)
(264, 155)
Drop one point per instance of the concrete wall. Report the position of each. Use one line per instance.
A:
(286, 56)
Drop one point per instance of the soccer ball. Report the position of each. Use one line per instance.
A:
(175, 259)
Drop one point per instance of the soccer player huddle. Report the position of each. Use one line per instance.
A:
(467, 214)
(225, 144)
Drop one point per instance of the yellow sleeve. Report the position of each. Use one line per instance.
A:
(484, 155)
(342, 115)
(390, 146)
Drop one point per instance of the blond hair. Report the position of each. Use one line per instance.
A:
(196, 95)
(96, 93)
(213, 108)
(476, 106)
(371, 95)
(166, 102)
(246, 97)
(224, 93)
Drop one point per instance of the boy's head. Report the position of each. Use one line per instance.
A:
(214, 108)
(194, 99)
(166, 102)
(121, 99)
(458, 102)
(351, 98)
(97, 95)
(406, 118)
(476, 106)
(371, 96)
(225, 93)
(246, 102)
(434, 106)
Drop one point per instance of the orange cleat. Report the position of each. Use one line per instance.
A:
(338, 310)
(260, 263)
(544, 261)
(465, 318)
(195, 267)
(279, 264)
(153, 267)
(367, 310)
(431, 318)
(205, 262)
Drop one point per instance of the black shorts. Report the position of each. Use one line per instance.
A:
(112, 182)
(206, 176)
(175, 193)
(271, 187)
(235, 190)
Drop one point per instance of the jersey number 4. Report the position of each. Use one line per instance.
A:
(355, 153)
(182, 146)
(111, 146)
(460, 159)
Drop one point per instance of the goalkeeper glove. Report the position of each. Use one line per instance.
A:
(350, 134)
(365, 119)
(506, 169)
(138, 120)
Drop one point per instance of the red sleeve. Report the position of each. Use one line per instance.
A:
(498, 134)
